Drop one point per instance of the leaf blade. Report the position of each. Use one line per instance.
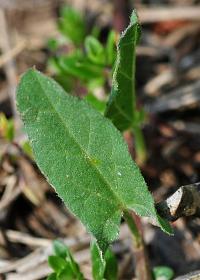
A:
(122, 104)
(83, 156)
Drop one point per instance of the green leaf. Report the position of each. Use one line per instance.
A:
(98, 263)
(56, 263)
(63, 263)
(122, 104)
(103, 267)
(52, 276)
(72, 25)
(83, 156)
(77, 66)
(67, 273)
(111, 266)
(73, 264)
(95, 50)
(163, 273)
(111, 48)
(60, 249)
(53, 44)
(7, 130)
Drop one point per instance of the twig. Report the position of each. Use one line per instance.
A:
(184, 202)
(165, 13)
(40, 255)
(24, 238)
(10, 68)
(176, 99)
(195, 275)
(155, 84)
(6, 57)
(7, 199)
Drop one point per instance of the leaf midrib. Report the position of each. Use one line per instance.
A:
(120, 203)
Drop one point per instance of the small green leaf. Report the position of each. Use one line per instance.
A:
(111, 266)
(60, 249)
(52, 276)
(10, 133)
(98, 263)
(79, 67)
(83, 156)
(111, 48)
(95, 50)
(73, 264)
(67, 273)
(72, 25)
(7, 130)
(122, 103)
(163, 273)
(56, 263)
(53, 44)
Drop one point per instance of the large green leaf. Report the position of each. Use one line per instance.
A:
(122, 105)
(83, 156)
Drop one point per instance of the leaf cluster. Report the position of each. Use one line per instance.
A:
(65, 267)
(84, 59)
(63, 264)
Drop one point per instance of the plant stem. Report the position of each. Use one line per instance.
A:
(142, 268)
(140, 146)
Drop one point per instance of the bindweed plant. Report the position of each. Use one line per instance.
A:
(83, 154)
(90, 64)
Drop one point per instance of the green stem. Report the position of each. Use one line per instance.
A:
(140, 146)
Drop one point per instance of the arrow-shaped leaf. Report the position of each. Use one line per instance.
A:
(83, 156)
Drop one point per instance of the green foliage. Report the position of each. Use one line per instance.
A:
(111, 48)
(95, 50)
(72, 25)
(87, 63)
(83, 156)
(63, 264)
(103, 267)
(77, 65)
(111, 268)
(7, 130)
(122, 104)
(98, 262)
(163, 273)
